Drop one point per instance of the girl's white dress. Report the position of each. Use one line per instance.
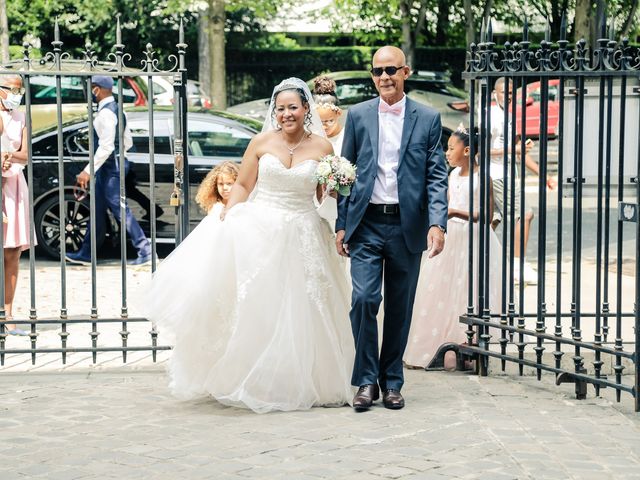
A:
(259, 304)
(442, 292)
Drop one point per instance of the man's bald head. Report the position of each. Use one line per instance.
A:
(389, 71)
(390, 53)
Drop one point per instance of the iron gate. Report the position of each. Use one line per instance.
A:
(58, 66)
(593, 316)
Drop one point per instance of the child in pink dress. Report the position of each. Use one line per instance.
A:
(15, 193)
(441, 296)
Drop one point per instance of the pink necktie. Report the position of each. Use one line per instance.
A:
(395, 109)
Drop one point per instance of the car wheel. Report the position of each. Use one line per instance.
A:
(47, 224)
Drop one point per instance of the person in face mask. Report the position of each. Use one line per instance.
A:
(15, 193)
(107, 171)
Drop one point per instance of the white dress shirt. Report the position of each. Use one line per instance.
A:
(105, 123)
(385, 188)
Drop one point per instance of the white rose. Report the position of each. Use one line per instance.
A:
(323, 170)
(348, 170)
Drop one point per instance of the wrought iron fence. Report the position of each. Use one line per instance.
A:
(590, 235)
(67, 219)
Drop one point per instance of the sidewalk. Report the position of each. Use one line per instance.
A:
(125, 425)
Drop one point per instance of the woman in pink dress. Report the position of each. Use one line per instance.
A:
(441, 296)
(15, 193)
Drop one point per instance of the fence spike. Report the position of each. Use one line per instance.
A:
(547, 32)
(483, 31)
(118, 30)
(563, 26)
(56, 31)
(525, 30)
(490, 31)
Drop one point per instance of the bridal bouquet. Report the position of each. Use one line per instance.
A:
(337, 173)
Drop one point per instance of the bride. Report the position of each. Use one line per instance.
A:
(258, 304)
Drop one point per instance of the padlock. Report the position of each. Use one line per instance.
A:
(174, 201)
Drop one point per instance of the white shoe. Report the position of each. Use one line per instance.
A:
(530, 276)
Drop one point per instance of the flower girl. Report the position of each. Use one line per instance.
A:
(441, 296)
(215, 189)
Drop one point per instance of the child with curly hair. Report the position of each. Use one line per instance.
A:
(215, 189)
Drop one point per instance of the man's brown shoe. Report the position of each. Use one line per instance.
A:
(365, 397)
(392, 399)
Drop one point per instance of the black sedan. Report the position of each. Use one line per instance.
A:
(213, 137)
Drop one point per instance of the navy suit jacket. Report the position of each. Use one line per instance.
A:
(422, 171)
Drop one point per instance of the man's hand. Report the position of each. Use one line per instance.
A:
(435, 241)
(82, 184)
(341, 247)
(552, 183)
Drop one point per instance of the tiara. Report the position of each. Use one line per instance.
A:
(462, 129)
(290, 84)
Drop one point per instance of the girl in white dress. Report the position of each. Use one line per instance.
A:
(441, 295)
(215, 189)
(324, 94)
(259, 303)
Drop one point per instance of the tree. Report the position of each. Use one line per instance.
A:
(216, 20)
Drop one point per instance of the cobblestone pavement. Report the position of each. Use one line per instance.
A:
(124, 424)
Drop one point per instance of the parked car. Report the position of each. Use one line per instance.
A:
(430, 88)
(532, 125)
(213, 137)
(74, 96)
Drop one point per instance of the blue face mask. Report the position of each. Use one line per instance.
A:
(94, 98)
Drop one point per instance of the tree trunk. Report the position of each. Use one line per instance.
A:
(582, 27)
(487, 9)
(442, 25)
(627, 24)
(598, 23)
(408, 39)
(217, 54)
(204, 59)
(469, 23)
(4, 32)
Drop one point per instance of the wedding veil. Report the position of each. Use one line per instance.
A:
(294, 84)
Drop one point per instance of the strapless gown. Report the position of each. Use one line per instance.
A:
(258, 305)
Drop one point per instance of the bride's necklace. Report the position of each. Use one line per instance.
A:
(292, 149)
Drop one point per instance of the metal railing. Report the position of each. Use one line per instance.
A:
(596, 93)
(58, 65)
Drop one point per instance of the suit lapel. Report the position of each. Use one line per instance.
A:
(410, 117)
(373, 129)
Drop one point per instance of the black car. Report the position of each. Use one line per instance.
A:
(213, 137)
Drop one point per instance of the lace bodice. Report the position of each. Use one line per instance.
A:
(287, 188)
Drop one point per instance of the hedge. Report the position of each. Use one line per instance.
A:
(251, 74)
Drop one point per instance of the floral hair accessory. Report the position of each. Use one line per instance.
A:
(462, 129)
(330, 106)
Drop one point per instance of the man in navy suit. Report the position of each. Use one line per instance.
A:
(396, 210)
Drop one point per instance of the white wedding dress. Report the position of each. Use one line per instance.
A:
(259, 304)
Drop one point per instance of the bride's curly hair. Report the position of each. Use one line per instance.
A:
(207, 195)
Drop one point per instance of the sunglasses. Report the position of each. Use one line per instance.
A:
(377, 71)
(14, 90)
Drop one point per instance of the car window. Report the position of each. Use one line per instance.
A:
(45, 147)
(354, 91)
(442, 88)
(162, 144)
(77, 143)
(158, 89)
(43, 90)
(213, 139)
